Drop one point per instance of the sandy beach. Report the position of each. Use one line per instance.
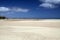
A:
(30, 29)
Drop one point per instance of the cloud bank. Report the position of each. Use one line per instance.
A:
(6, 9)
(49, 3)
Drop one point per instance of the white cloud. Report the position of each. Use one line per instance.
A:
(6, 9)
(49, 3)
(20, 10)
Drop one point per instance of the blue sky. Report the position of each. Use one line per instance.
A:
(30, 8)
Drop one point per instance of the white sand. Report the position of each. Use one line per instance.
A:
(30, 30)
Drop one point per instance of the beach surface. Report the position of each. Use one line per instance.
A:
(30, 29)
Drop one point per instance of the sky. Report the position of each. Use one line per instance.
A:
(30, 9)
